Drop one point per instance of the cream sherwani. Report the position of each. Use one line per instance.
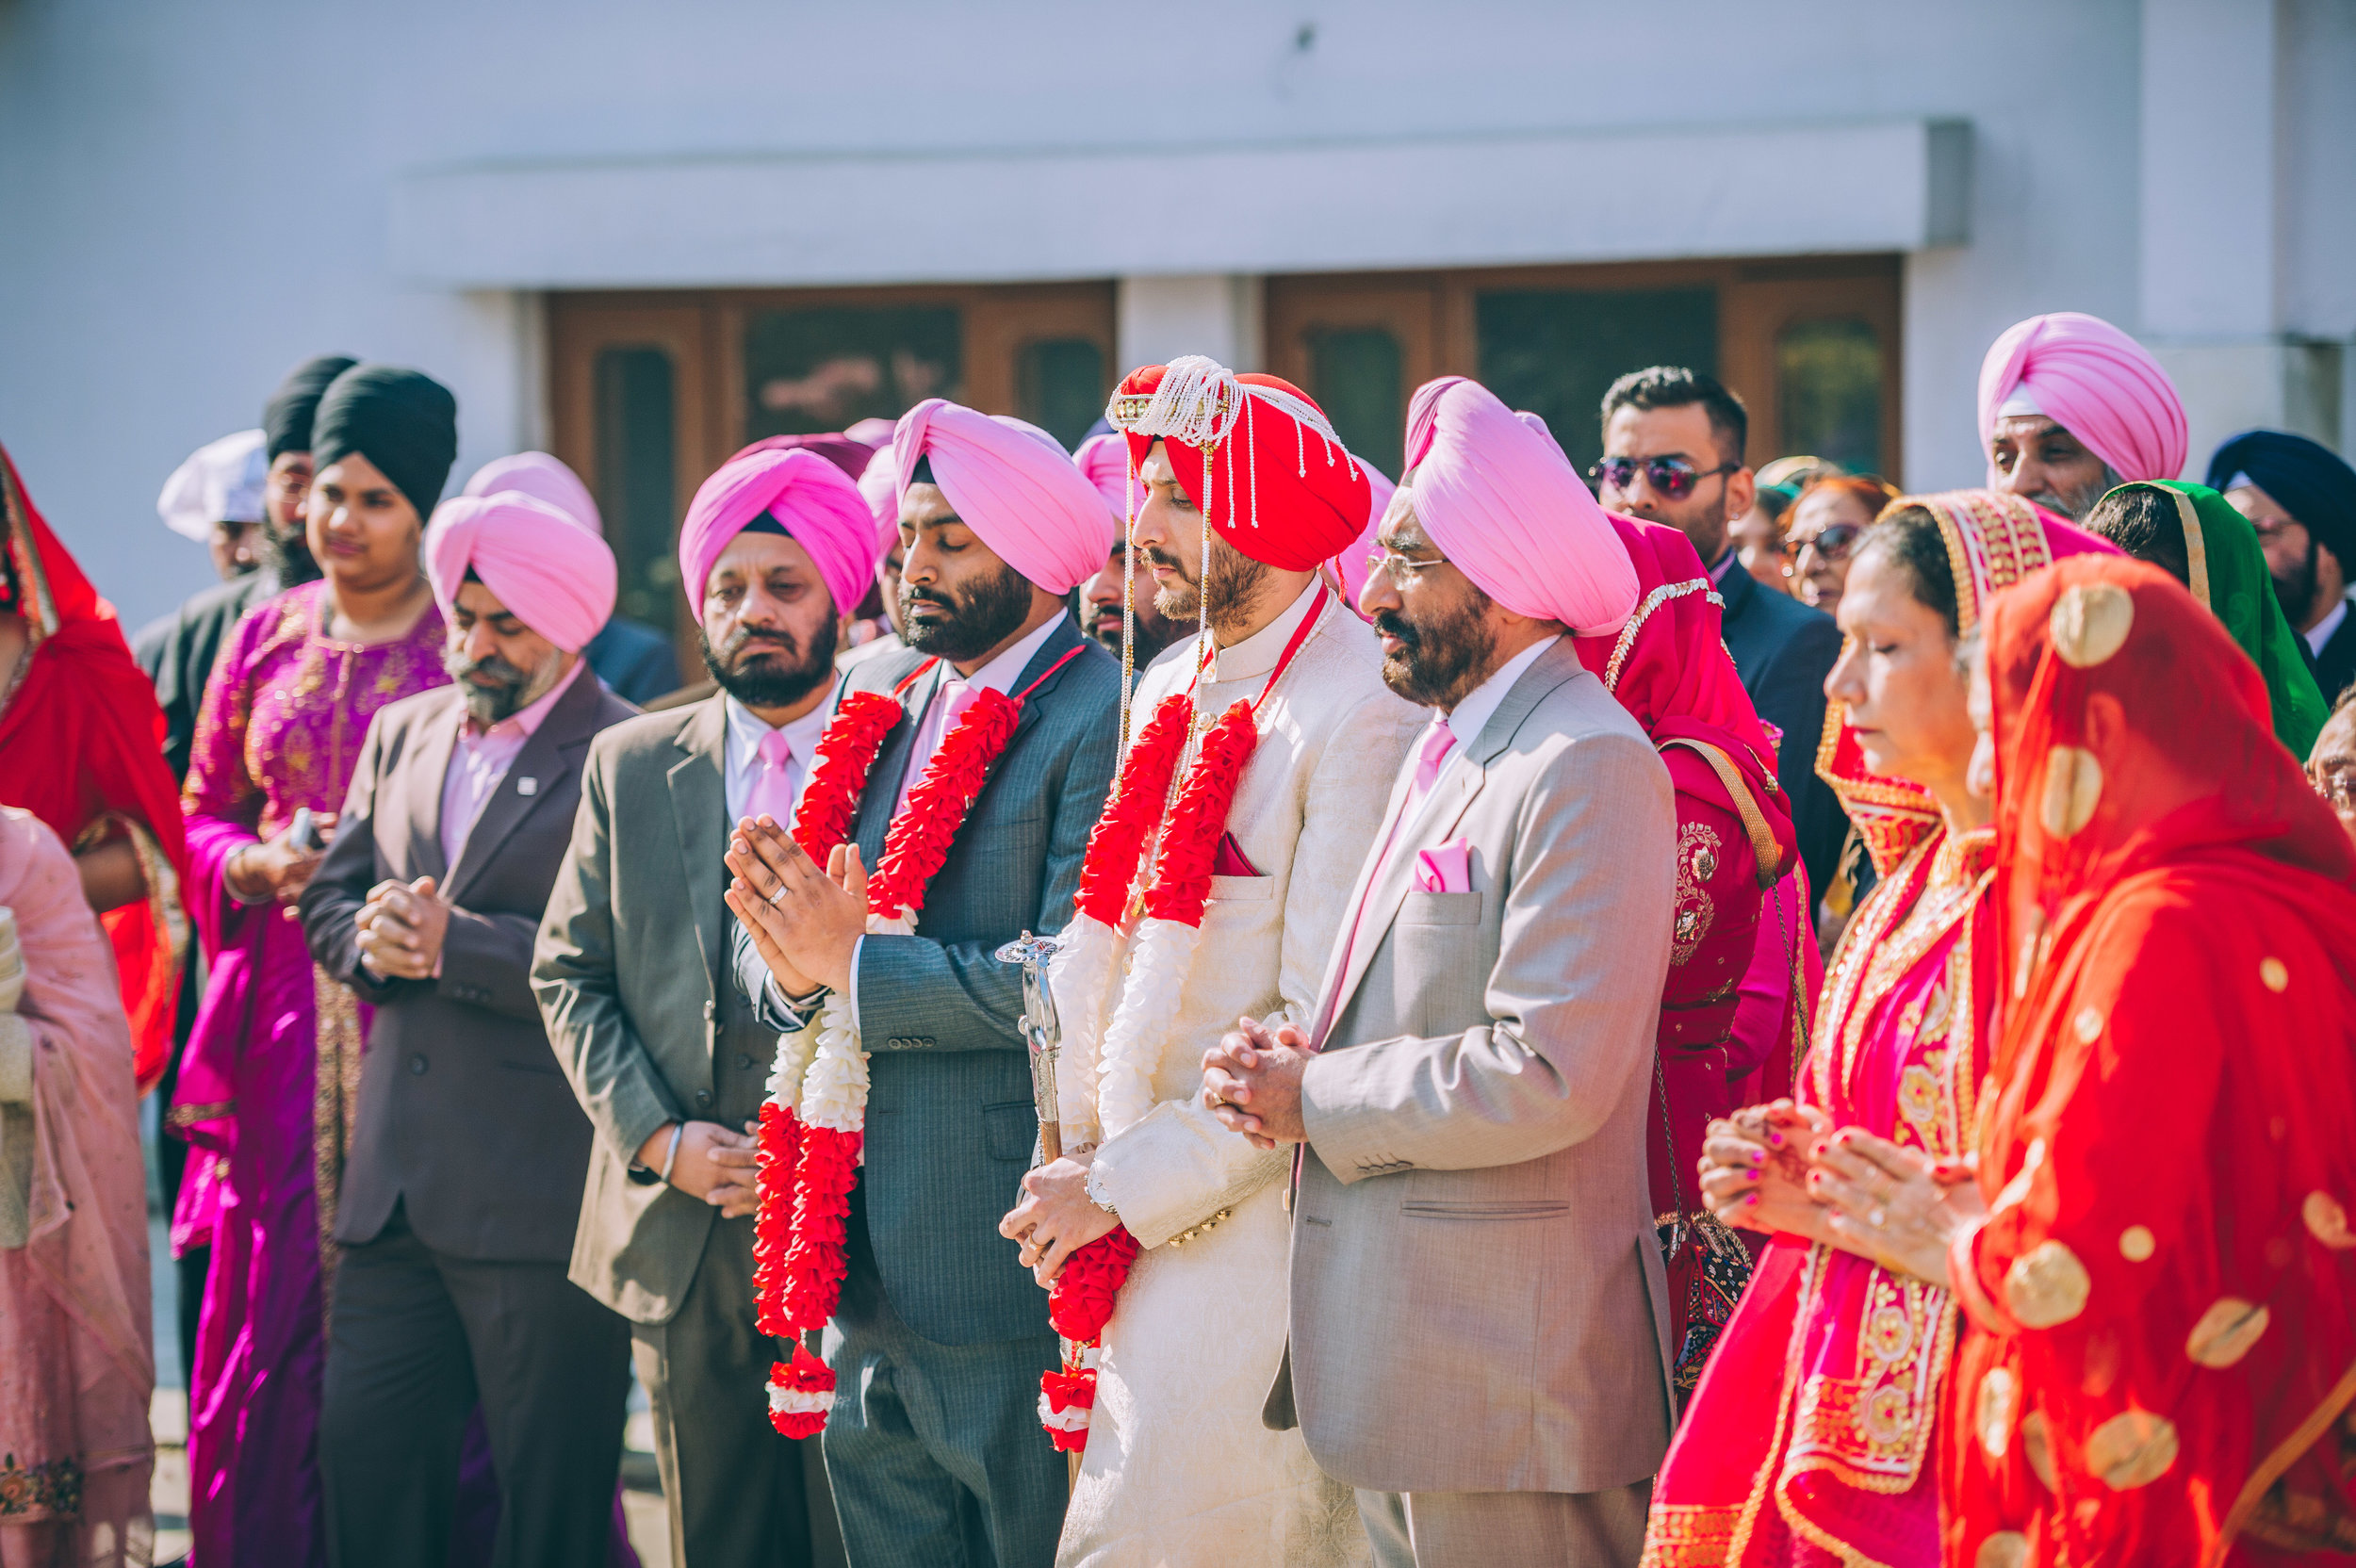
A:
(1179, 1469)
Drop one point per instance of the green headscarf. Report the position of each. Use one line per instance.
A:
(2229, 577)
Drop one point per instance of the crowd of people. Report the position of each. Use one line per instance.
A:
(1681, 1014)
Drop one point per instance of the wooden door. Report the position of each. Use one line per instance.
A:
(1814, 349)
(1360, 347)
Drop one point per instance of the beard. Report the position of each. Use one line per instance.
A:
(2297, 587)
(513, 689)
(288, 556)
(2075, 504)
(1234, 577)
(771, 669)
(981, 614)
(1442, 659)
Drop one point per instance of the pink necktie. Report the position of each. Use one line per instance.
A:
(773, 785)
(948, 706)
(1430, 756)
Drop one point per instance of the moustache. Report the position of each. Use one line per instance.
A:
(1391, 625)
(742, 638)
(1154, 556)
(492, 670)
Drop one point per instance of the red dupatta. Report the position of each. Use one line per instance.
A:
(2162, 1299)
(81, 748)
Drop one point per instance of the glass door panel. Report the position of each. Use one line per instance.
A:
(1556, 351)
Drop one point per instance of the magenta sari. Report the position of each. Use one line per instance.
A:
(1808, 1439)
(280, 730)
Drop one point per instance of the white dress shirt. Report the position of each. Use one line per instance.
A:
(739, 751)
(2320, 632)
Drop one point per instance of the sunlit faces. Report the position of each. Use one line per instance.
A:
(1169, 532)
(767, 622)
(2035, 458)
(1721, 488)
(1825, 525)
(1432, 622)
(359, 526)
(958, 599)
(1101, 599)
(501, 664)
(2332, 766)
(1908, 703)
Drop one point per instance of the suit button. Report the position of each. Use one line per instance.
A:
(703, 1096)
(417, 1064)
(743, 1063)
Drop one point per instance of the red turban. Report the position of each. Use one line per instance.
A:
(1296, 499)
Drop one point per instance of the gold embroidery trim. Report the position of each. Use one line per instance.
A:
(1653, 601)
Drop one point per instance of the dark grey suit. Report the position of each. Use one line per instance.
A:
(460, 1193)
(1783, 651)
(934, 1450)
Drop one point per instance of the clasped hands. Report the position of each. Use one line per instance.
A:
(1783, 1167)
(401, 927)
(805, 920)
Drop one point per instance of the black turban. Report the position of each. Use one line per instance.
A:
(2312, 482)
(287, 417)
(403, 421)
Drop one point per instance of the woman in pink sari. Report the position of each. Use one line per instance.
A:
(1808, 1438)
(271, 1069)
(77, 1357)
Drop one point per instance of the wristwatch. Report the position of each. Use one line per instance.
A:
(1097, 1195)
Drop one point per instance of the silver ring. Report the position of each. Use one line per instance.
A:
(777, 899)
(1877, 1217)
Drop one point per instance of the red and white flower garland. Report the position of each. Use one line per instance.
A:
(814, 1123)
(1109, 1066)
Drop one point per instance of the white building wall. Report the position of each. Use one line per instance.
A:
(194, 197)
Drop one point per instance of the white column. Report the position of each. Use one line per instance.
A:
(1215, 313)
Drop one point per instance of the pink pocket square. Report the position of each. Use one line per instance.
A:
(1231, 860)
(1445, 870)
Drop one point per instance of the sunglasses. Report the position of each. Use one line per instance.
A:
(1832, 542)
(1671, 477)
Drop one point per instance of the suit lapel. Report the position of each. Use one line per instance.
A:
(433, 738)
(699, 809)
(547, 757)
(1441, 813)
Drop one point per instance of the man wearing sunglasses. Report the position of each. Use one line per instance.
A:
(1672, 442)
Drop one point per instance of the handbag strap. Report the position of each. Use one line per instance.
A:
(1765, 853)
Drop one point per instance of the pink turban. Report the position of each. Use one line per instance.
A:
(543, 479)
(879, 487)
(1499, 500)
(1105, 459)
(810, 496)
(1013, 485)
(2096, 382)
(1350, 565)
(553, 574)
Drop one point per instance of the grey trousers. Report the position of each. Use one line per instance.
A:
(733, 1487)
(934, 1452)
(1507, 1529)
(419, 1338)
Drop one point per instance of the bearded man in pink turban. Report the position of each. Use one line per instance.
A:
(964, 772)
(1473, 1088)
(2072, 407)
(460, 1189)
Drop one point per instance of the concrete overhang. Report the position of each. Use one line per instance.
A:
(979, 216)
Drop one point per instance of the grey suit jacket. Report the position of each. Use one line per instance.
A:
(462, 1113)
(1478, 1303)
(950, 1122)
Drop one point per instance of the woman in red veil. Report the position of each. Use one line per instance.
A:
(81, 748)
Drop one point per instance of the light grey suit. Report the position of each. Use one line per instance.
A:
(1477, 1296)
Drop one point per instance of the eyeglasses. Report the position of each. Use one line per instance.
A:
(1671, 477)
(2336, 783)
(1833, 542)
(1402, 570)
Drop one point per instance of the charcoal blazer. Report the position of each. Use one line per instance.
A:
(463, 1113)
(950, 1122)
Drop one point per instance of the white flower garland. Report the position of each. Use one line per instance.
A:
(1159, 958)
(1082, 976)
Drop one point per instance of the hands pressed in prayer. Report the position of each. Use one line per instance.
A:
(805, 920)
(401, 927)
(1894, 1206)
(714, 1164)
(1251, 1082)
(1056, 1217)
(1754, 1170)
